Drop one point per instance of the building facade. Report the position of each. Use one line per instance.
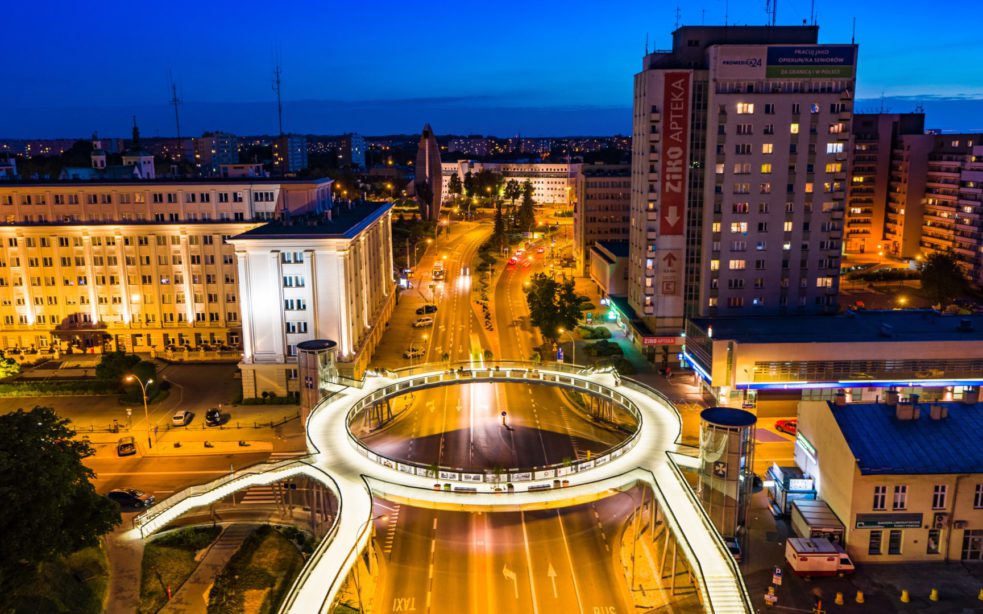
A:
(316, 279)
(876, 138)
(290, 153)
(553, 184)
(351, 151)
(427, 184)
(213, 149)
(601, 209)
(904, 477)
(156, 266)
(739, 161)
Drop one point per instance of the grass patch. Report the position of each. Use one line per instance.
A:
(258, 576)
(76, 583)
(169, 561)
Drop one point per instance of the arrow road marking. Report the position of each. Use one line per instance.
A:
(510, 575)
(552, 576)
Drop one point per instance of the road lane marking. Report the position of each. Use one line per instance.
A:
(573, 572)
(532, 581)
(551, 574)
(510, 575)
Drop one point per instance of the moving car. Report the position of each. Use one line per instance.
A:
(126, 446)
(426, 309)
(414, 353)
(181, 418)
(213, 417)
(466, 271)
(787, 426)
(423, 322)
(130, 498)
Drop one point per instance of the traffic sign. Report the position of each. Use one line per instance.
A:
(776, 576)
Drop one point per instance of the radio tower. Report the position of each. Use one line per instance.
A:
(175, 101)
(279, 102)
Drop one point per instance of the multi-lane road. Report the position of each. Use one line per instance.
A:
(540, 561)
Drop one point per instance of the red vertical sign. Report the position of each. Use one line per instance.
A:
(675, 153)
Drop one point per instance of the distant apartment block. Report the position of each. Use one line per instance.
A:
(351, 151)
(290, 153)
(602, 206)
(214, 149)
(553, 184)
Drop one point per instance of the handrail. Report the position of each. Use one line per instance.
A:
(450, 376)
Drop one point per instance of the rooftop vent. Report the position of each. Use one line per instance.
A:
(938, 412)
(906, 411)
(891, 397)
(971, 396)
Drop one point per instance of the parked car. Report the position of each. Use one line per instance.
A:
(130, 498)
(414, 353)
(181, 418)
(213, 417)
(126, 446)
(426, 309)
(423, 322)
(787, 426)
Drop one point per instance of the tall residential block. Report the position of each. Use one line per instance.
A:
(876, 136)
(290, 153)
(601, 209)
(739, 161)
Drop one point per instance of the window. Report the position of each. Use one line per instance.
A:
(900, 497)
(880, 498)
(742, 168)
(742, 149)
(767, 148)
(978, 497)
(789, 225)
(744, 129)
(834, 148)
(894, 541)
(736, 265)
(938, 496)
(766, 169)
(714, 265)
(874, 545)
(824, 282)
(769, 108)
(794, 128)
(932, 547)
(745, 108)
(738, 226)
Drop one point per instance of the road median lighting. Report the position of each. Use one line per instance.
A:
(146, 411)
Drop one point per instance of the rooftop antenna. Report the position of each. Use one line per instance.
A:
(175, 101)
(279, 100)
(703, 17)
(646, 43)
(853, 32)
(678, 16)
(726, 12)
(812, 11)
(883, 110)
(771, 7)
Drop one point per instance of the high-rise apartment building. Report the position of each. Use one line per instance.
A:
(739, 161)
(876, 136)
(213, 149)
(351, 151)
(950, 217)
(290, 153)
(187, 266)
(601, 209)
(427, 184)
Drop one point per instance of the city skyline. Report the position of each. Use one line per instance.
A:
(344, 78)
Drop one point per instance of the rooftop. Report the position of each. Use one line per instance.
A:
(177, 181)
(872, 326)
(346, 222)
(884, 445)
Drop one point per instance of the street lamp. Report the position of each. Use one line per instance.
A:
(146, 412)
(573, 345)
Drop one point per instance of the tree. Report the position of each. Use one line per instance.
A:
(527, 212)
(469, 185)
(50, 507)
(499, 232)
(8, 368)
(454, 185)
(115, 365)
(513, 191)
(942, 278)
(552, 305)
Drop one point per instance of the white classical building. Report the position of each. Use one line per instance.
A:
(553, 184)
(314, 278)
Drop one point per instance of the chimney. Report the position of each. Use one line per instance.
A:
(840, 398)
(906, 411)
(938, 412)
(971, 396)
(891, 397)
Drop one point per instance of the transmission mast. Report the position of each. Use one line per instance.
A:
(175, 102)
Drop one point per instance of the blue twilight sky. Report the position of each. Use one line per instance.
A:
(504, 67)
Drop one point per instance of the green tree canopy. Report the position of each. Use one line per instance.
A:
(513, 190)
(552, 305)
(50, 507)
(114, 365)
(8, 367)
(454, 185)
(527, 211)
(942, 278)
(498, 234)
(469, 184)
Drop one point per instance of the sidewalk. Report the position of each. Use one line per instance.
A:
(192, 597)
(125, 561)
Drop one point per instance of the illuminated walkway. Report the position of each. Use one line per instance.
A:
(354, 474)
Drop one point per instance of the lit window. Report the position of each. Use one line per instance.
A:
(715, 227)
(738, 226)
(766, 169)
(794, 128)
(834, 148)
(788, 226)
(767, 148)
(745, 108)
(736, 265)
(714, 265)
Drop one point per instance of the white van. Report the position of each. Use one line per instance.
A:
(817, 556)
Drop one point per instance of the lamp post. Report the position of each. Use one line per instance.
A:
(573, 346)
(146, 412)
